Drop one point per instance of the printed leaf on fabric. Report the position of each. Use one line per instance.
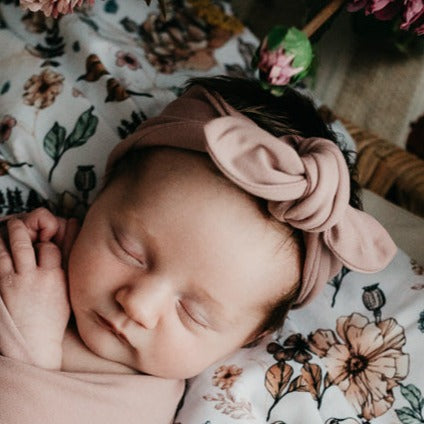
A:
(413, 395)
(308, 381)
(55, 144)
(413, 414)
(277, 377)
(54, 141)
(83, 130)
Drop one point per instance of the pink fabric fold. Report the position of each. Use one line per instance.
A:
(31, 395)
(306, 182)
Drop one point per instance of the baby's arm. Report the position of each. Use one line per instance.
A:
(34, 290)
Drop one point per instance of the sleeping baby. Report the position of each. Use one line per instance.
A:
(216, 218)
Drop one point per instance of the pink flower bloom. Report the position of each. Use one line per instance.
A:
(414, 10)
(355, 5)
(52, 7)
(381, 9)
(384, 10)
(277, 65)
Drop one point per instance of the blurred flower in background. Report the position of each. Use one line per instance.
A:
(284, 57)
(410, 13)
(414, 15)
(277, 65)
(381, 9)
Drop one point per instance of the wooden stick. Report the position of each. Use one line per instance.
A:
(322, 17)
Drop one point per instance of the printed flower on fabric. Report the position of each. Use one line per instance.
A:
(224, 400)
(36, 23)
(52, 7)
(294, 347)
(416, 267)
(41, 90)
(6, 126)
(181, 40)
(366, 361)
(225, 376)
(127, 59)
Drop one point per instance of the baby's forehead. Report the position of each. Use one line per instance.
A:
(171, 171)
(180, 168)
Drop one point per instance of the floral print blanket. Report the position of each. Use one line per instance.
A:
(71, 88)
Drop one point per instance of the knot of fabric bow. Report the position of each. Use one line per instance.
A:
(306, 180)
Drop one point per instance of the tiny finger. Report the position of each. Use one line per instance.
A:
(6, 263)
(49, 256)
(42, 224)
(21, 246)
(61, 231)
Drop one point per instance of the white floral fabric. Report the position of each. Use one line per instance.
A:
(71, 88)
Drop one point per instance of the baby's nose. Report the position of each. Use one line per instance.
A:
(145, 302)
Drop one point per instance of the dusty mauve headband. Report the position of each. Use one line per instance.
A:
(306, 182)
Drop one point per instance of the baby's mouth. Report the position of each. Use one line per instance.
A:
(111, 327)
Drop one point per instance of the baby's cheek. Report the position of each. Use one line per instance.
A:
(203, 355)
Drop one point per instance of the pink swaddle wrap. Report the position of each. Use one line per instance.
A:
(31, 395)
(306, 181)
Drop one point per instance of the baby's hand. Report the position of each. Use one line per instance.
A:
(34, 290)
(44, 226)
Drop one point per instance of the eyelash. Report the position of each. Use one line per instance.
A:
(190, 317)
(128, 255)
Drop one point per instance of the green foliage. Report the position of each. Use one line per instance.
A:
(55, 144)
(297, 43)
(412, 414)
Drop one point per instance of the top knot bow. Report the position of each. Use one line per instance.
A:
(306, 182)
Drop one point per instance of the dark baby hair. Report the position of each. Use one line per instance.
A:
(291, 113)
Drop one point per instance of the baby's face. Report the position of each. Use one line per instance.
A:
(183, 267)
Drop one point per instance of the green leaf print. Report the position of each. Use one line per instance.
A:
(5, 88)
(83, 130)
(412, 415)
(413, 395)
(54, 141)
(55, 144)
(408, 416)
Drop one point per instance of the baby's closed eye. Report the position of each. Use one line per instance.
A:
(128, 250)
(190, 315)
